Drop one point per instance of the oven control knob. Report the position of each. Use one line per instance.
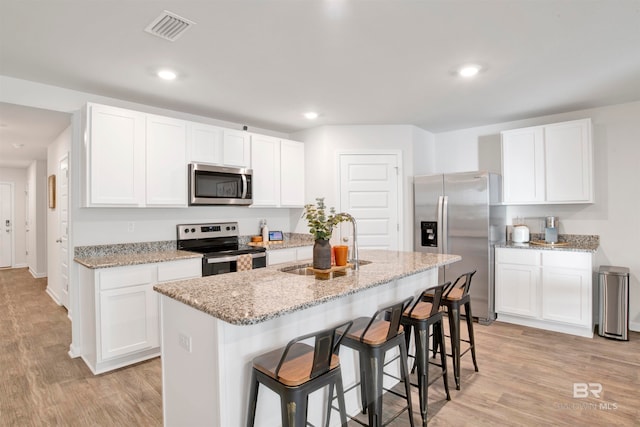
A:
(228, 228)
(233, 227)
(193, 230)
(186, 230)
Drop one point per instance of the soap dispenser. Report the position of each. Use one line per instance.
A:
(265, 232)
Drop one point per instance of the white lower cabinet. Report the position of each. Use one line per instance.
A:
(545, 289)
(278, 256)
(128, 320)
(119, 311)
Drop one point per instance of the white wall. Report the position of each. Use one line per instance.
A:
(614, 215)
(323, 144)
(18, 176)
(37, 218)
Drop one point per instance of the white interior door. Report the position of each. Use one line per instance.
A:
(6, 225)
(369, 190)
(63, 227)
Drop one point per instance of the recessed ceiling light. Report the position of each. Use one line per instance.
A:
(17, 145)
(311, 115)
(167, 75)
(468, 70)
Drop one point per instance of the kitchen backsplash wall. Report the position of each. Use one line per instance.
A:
(109, 226)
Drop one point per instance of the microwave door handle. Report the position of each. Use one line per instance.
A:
(244, 187)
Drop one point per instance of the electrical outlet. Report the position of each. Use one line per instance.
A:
(131, 226)
(184, 341)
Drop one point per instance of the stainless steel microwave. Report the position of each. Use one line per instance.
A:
(219, 185)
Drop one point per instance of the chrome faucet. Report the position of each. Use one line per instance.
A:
(354, 250)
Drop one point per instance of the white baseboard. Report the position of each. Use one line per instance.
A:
(37, 275)
(53, 296)
(634, 326)
(19, 265)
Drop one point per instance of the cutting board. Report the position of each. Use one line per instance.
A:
(326, 274)
(549, 245)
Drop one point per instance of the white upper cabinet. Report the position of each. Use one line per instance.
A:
(523, 165)
(569, 162)
(166, 162)
(236, 148)
(134, 159)
(115, 156)
(292, 173)
(204, 143)
(548, 164)
(278, 172)
(265, 156)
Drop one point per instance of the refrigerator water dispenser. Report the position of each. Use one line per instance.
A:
(429, 233)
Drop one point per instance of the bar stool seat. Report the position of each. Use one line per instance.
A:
(297, 370)
(455, 297)
(372, 338)
(423, 315)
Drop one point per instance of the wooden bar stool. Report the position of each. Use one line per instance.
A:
(455, 297)
(423, 315)
(297, 371)
(371, 338)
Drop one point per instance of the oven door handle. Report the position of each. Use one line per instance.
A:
(259, 255)
(219, 260)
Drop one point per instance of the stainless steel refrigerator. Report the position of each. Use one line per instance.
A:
(462, 214)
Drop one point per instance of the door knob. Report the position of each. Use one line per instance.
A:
(59, 240)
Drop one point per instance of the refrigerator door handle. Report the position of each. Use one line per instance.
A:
(445, 226)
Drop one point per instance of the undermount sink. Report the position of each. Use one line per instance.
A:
(302, 269)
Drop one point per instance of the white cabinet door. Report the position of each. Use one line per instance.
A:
(204, 143)
(236, 149)
(568, 162)
(115, 149)
(128, 320)
(566, 287)
(567, 295)
(523, 165)
(517, 289)
(291, 174)
(265, 162)
(166, 163)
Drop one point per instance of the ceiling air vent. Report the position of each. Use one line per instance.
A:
(169, 26)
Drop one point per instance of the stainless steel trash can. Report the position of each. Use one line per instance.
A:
(614, 302)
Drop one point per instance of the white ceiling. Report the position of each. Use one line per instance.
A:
(264, 62)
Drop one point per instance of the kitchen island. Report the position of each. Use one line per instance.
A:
(212, 327)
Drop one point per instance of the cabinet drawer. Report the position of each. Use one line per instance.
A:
(281, 255)
(178, 270)
(305, 252)
(577, 260)
(119, 277)
(518, 256)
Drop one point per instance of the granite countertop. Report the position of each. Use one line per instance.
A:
(254, 296)
(118, 260)
(568, 242)
(120, 254)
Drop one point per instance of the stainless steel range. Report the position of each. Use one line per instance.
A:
(220, 246)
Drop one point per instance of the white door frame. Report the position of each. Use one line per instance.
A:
(401, 201)
(12, 199)
(64, 291)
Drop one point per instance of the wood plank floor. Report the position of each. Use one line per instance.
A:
(526, 375)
